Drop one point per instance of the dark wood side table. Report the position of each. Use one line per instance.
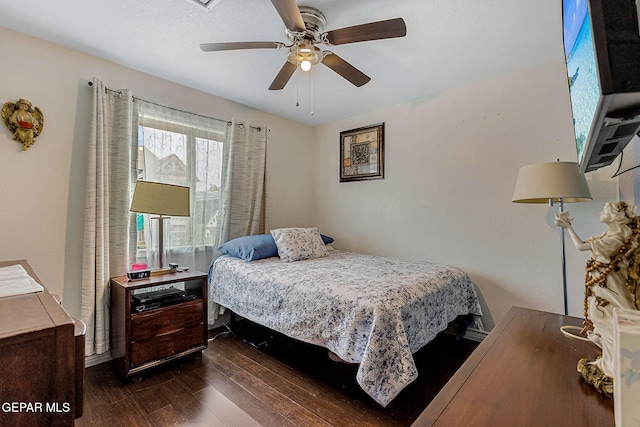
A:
(523, 374)
(41, 359)
(146, 339)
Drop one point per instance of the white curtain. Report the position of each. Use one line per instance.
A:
(244, 196)
(109, 233)
(244, 192)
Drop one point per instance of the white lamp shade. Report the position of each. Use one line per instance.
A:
(555, 181)
(160, 199)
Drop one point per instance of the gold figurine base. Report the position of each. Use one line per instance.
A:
(594, 376)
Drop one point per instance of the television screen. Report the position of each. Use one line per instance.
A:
(602, 55)
(584, 88)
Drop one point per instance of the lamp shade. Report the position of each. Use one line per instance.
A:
(555, 181)
(160, 199)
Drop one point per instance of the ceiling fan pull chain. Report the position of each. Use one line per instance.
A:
(297, 86)
(312, 98)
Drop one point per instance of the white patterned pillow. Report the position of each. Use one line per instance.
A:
(295, 244)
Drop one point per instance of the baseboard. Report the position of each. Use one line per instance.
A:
(97, 359)
(474, 334)
(465, 327)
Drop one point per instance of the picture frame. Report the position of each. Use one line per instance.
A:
(362, 153)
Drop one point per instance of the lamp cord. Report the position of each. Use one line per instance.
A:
(565, 331)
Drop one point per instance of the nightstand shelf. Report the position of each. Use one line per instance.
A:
(145, 338)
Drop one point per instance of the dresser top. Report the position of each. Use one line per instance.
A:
(32, 312)
(523, 373)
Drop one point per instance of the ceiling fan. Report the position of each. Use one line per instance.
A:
(304, 27)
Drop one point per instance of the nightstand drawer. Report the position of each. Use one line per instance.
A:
(166, 345)
(165, 320)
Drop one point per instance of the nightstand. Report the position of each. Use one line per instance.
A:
(146, 336)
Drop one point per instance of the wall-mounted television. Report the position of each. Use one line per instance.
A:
(602, 54)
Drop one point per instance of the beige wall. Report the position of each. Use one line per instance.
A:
(451, 163)
(42, 206)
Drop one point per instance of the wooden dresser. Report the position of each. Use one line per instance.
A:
(41, 360)
(523, 374)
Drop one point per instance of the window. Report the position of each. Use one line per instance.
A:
(189, 154)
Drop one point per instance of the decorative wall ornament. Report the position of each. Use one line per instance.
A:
(362, 153)
(24, 121)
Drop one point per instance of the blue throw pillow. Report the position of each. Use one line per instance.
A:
(251, 248)
(326, 239)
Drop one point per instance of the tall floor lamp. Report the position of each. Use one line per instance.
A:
(164, 200)
(553, 182)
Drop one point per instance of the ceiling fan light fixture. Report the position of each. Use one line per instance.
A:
(305, 56)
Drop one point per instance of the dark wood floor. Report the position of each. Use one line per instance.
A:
(281, 383)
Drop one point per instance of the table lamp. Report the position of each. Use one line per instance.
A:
(553, 182)
(164, 200)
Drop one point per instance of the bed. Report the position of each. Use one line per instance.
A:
(369, 310)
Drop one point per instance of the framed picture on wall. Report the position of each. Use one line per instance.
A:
(362, 153)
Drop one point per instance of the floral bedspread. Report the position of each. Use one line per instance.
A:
(369, 310)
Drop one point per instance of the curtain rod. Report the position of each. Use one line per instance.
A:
(229, 123)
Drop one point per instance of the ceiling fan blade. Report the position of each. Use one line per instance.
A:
(283, 76)
(346, 70)
(388, 29)
(214, 47)
(290, 14)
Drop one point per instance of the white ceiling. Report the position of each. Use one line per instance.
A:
(449, 43)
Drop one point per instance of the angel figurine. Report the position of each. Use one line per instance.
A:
(612, 280)
(24, 121)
